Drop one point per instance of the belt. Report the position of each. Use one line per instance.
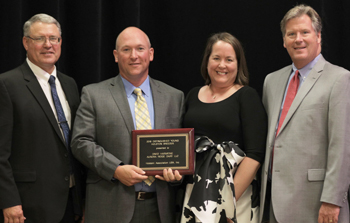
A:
(140, 196)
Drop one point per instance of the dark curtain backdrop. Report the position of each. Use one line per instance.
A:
(178, 31)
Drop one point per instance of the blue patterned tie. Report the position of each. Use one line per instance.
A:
(60, 113)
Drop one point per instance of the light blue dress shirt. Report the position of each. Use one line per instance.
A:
(303, 73)
(147, 94)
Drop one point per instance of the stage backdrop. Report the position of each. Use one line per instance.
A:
(178, 31)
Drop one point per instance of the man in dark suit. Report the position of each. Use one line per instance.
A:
(116, 191)
(40, 180)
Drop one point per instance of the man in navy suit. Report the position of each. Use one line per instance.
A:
(40, 180)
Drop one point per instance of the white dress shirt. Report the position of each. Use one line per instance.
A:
(43, 78)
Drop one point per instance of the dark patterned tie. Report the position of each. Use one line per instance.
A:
(60, 113)
(62, 121)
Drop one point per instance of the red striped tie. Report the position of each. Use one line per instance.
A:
(292, 91)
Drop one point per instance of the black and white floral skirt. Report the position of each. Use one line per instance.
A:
(210, 193)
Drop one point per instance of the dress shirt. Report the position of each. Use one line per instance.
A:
(147, 94)
(303, 73)
(43, 79)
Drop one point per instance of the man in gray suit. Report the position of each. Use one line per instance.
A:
(306, 170)
(101, 140)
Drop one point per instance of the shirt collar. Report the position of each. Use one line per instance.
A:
(129, 88)
(40, 73)
(304, 72)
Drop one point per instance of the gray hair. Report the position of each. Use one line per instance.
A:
(299, 11)
(44, 18)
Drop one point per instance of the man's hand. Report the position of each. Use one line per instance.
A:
(129, 174)
(169, 176)
(13, 214)
(328, 213)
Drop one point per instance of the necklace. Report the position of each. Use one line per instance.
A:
(214, 96)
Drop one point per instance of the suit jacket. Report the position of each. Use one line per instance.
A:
(102, 141)
(311, 152)
(34, 162)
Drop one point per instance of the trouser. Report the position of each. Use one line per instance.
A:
(146, 211)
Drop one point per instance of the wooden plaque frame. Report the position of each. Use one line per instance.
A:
(158, 149)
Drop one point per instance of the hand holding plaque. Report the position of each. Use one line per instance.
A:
(158, 149)
(170, 176)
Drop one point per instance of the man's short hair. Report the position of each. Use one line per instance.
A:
(44, 18)
(299, 11)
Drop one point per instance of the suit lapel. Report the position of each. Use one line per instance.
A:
(310, 81)
(158, 103)
(66, 89)
(280, 88)
(118, 93)
(35, 88)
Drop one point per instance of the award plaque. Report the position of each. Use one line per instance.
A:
(157, 149)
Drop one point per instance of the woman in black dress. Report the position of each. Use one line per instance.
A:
(224, 109)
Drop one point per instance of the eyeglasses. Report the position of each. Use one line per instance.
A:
(42, 39)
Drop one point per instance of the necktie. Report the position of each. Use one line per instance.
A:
(142, 120)
(60, 114)
(63, 124)
(291, 92)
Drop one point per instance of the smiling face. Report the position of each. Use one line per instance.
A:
(43, 55)
(222, 65)
(301, 41)
(133, 54)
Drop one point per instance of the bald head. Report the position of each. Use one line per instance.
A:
(131, 32)
(133, 54)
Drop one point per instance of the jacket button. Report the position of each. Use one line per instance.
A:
(66, 178)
